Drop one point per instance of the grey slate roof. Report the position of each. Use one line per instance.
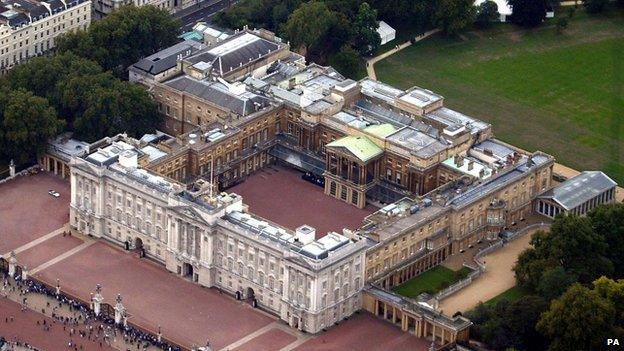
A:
(167, 58)
(216, 93)
(575, 191)
(232, 59)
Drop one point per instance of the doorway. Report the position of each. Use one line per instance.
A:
(187, 270)
(138, 243)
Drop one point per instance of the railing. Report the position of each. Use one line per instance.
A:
(461, 283)
(23, 172)
(481, 267)
(132, 324)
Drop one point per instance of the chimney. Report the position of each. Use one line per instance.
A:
(460, 161)
(470, 165)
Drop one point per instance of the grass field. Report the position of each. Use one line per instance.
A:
(510, 295)
(541, 90)
(431, 281)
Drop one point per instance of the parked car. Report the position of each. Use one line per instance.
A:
(54, 193)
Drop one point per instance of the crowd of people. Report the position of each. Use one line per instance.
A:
(82, 324)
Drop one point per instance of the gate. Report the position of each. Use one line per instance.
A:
(4, 265)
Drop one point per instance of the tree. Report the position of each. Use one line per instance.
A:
(595, 6)
(41, 75)
(528, 13)
(571, 244)
(554, 282)
(452, 16)
(581, 319)
(346, 62)
(308, 24)
(103, 105)
(28, 122)
(487, 12)
(509, 324)
(608, 222)
(123, 37)
(366, 39)
(532, 263)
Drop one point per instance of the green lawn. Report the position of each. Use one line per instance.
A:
(510, 295)
(541, 90)
(431, 281)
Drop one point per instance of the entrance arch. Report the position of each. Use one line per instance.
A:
(250, 293)
(138, 243)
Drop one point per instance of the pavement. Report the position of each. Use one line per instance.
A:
(497, 278)
(28, 212)
(278, 194)
(201, 12)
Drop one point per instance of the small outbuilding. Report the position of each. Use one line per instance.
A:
(577, 195)
(386, 33)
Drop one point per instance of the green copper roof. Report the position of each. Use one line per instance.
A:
(380, 130)
(360, 146)
(192, 36)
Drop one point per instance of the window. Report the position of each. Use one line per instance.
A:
(354, 198)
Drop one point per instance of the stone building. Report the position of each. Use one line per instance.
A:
(28, 28)
(577, 195)
(211, 239)
(439, 179)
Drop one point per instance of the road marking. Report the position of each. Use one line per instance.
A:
(248, 337)
(61, 257)
(38, 240)
(296, 343)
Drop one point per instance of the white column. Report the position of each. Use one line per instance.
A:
(120, 311)
(12, 263)
(97, 300)
(24, 272)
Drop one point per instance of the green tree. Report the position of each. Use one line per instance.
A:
(308, 24)
(528, 13)
(41, 75)
(613, 290)
(509, 324)
(531, 263)
(487, 12)
(453, 16)
(554, 282)
(366, 39)
(103, 106)
(571, 244)
(28, 122)
(346, 62)
(595, 6)
(581, 319)
(123, 37)
(608, 221)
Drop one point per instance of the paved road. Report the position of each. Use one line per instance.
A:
(201, 12)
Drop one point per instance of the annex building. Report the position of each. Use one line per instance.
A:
(433, 180)
(29, 28)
